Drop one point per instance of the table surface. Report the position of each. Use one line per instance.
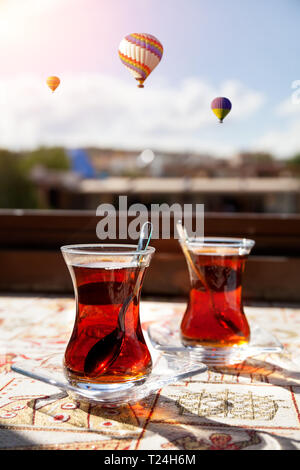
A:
(253, 405)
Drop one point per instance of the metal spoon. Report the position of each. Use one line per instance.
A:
(184, 242)
(227, 323)
(107, 349)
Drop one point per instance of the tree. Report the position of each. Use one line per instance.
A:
(52, 158)
(295, 160)
(294, 164)
(16, 189)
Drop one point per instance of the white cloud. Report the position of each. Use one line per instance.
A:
(289, 107)
(101, 110)
(282, 142)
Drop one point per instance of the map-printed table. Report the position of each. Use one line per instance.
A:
(253, 405)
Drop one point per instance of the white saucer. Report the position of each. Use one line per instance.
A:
(165, 336)
(168, 368)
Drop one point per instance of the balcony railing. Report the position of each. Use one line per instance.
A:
(30, 258)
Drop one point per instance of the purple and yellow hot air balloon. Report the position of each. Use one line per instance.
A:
(221, 107)
(140, 53)
(53, 82)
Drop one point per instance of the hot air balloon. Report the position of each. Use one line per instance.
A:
(221, 107)
(140, 53)
(53, 82)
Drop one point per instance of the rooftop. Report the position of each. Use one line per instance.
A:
(194, 185)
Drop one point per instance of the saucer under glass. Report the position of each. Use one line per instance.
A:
(168, 368)
(165, 336)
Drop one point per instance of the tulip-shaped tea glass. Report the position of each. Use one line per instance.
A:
(107, 347)
(214, 318)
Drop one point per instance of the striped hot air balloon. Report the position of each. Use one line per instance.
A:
(140, 53)
(53, 82)
(221, 107)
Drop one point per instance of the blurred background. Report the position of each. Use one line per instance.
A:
(69, 150)
(99, 136)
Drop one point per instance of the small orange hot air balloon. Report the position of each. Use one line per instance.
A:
(53, 82)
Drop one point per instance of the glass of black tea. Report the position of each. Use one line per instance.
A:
(214, 317)
(107, 347)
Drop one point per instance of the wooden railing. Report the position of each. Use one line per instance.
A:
(30, 258)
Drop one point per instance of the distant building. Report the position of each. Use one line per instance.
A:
(264, 195)
(81, 164)
(249, 164)
(248, 182)
(119, 162)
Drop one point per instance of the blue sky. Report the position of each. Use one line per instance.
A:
(247, 48)
(253, 40)
(256, 42)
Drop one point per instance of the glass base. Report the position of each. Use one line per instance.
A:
(219, 356)
(104, 387)
(166, 337)
(167, 369)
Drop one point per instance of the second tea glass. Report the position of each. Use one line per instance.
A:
(214, 319)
